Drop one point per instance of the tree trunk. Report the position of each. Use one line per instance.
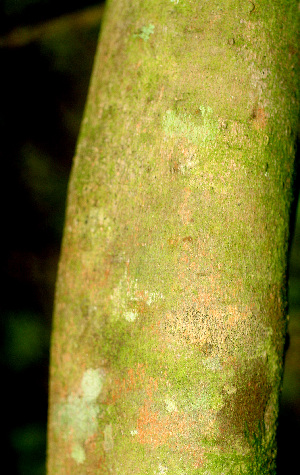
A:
(170, 313)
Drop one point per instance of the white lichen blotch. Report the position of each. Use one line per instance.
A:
(91, 384)
(131, 315)
(153, 297)
(78, 453)
(123, 294)
(127, 294)
(170, 405)
(162, 469)
(98, 223)
(77, 416)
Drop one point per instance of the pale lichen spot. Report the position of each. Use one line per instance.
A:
(91, 384)
(230, 389)
(131, 315)
(162, 469)
(213, 363)
(153, 297)
(77, 416)
(98, 222)
(108, 438)
(197, 130)
(170, 405)
(186, 167)
(134, 432)
(126, 294)
(78, 453)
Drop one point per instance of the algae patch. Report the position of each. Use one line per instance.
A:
(77, 416)
(197, 130)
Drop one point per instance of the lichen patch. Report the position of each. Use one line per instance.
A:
(196, 130)
(77, 416)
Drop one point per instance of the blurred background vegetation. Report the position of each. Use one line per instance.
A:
(47, 49)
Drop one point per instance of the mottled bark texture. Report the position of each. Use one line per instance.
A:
(170, 313)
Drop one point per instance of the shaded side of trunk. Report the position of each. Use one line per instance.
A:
(170, 312)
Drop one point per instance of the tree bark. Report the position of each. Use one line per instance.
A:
(170, 311)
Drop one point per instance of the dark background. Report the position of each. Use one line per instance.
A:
(46, 55)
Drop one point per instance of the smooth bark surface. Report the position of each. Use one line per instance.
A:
(170, 312)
